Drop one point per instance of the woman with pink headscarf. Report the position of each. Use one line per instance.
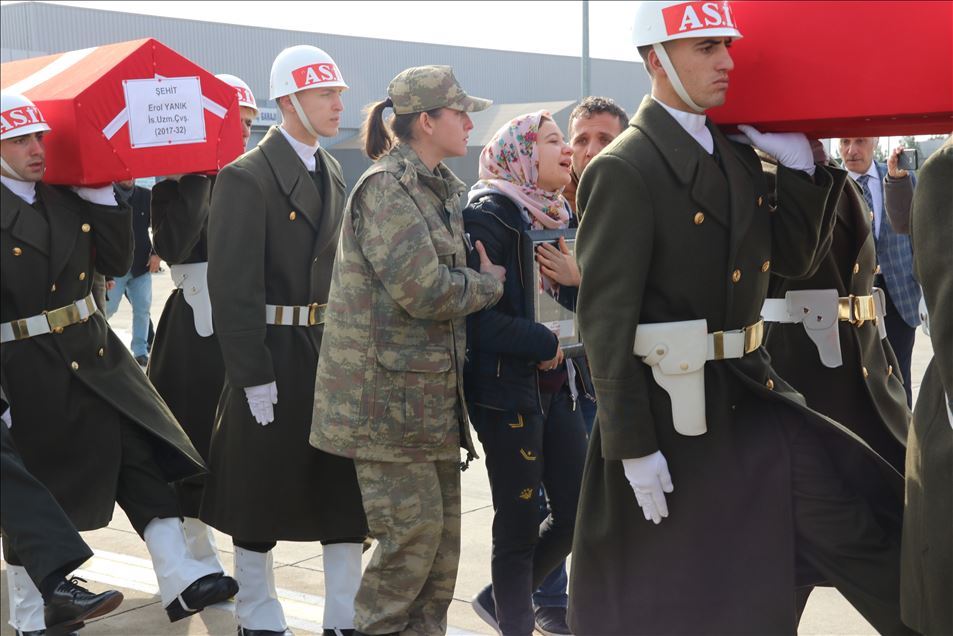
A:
(519, 388)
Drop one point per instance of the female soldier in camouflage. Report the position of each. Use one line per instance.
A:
(389, 389)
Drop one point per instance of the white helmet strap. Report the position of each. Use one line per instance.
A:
(674, 78)
(13, 173)
(302, 116)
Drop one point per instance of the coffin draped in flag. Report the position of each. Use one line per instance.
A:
(842, 69)
(128, 110)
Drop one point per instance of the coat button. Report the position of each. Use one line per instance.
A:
(293, 215)
(765, 266)
(889, 369)
(85, 227)
(866, 372)
(17, 251)
(871, 217)
(699, 218)
(736, 276)
(101, 352)
(53, 288)
(770, 384)
(74, 365)
(58, 330)
(856, 268)
(877, 270)
(683, 366)
(82, 275)
(760, 201)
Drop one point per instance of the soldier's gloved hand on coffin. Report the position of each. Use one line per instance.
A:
(261, 402)
(650, 480)
(792, 150)
(100, 196)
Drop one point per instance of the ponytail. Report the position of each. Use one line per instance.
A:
(375, 133)
(380, 136)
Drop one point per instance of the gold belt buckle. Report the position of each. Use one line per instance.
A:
(864, 309)
(63, 317)
(20, 329)
(753, 336)
(845, 307)
(316, 314)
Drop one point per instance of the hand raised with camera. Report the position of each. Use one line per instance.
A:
(486, 265)
(558, 265)
(894, 171)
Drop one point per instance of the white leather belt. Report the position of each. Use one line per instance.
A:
(48, 322)
(820, 310)
(677, 353)
(295, 315)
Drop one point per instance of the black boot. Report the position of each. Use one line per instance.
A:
(208, 590)
(69, 604)
(262, 632)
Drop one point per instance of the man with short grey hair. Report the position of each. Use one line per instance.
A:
(894, 254)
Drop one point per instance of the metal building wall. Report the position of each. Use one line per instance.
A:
(31, 29)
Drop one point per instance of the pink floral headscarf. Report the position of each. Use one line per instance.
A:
(509, 164)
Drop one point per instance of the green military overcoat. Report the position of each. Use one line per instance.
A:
(70, 391)
(869, 399)
(271, 239)
(926, 575)
(186, 368)
(668, 234)
(390, 379)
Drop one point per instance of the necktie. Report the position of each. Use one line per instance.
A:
(865, 190)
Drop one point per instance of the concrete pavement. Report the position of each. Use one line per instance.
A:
(122, 562)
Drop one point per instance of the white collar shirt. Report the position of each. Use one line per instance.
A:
(304, 151)
(26, 190)
(694, 125)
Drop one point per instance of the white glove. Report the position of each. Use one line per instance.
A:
(792, 150)
(649, 478)
(100, 196)
(261, 401)
(6, 418)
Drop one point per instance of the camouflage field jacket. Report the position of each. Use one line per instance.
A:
(389, 382)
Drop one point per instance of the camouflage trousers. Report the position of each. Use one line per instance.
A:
(413, 510)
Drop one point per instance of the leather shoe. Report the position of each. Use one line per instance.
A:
(337, 631)
(208, 590)
(70, 604)
(242, 631)
(43, 632)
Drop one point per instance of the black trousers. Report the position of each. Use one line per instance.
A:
(522, 452)
(142, 492)
(35, 528)
(901, 336)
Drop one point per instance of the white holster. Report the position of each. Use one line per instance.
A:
(192, 279)
(677, 352)
(817, 311)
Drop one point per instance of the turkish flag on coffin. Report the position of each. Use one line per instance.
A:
(842, 69)
(127, 110)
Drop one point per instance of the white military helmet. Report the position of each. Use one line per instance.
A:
(657, 22)
(301, 68)
(19, 116)
(245, 96)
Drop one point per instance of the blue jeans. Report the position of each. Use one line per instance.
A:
(138, 290)
(552, 591)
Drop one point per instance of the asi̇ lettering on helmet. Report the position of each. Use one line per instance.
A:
(657, 22)
(303, 67)
(19, 116)
(245, 96)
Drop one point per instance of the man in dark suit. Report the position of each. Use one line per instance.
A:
(894, 255)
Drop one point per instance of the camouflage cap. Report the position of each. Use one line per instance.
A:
(421, 88)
